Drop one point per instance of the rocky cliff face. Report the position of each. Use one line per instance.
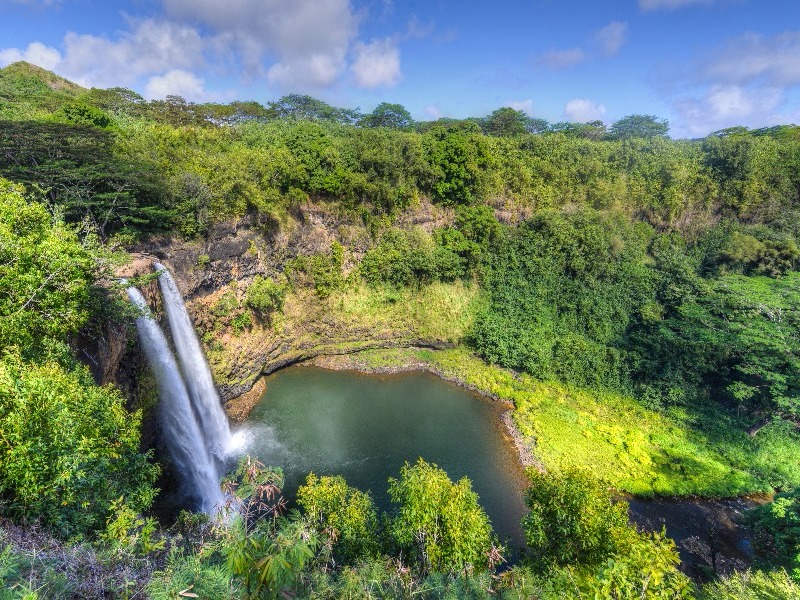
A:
(213, 275)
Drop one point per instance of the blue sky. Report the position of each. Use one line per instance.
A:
(702, 64)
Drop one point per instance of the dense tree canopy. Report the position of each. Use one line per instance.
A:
(641, 126)
(69, 448)
(45, 276)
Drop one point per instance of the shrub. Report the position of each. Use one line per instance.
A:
(70, 449)
(345, 513)
(404, 258)
(265, 296)
(572, 520)
(751, 585)
(46, 275)
(439, 523)
(777, 527)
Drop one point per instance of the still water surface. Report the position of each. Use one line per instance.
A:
(365, 427)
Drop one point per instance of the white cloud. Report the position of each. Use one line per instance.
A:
(434, 112)
(562, 59)
(296, 45)
(581, 110)
(150, 47)
(306, 40)
(755, 58)
(318, 70)
(611, 37)
(727, 106)
(523, 105)
(179, 83)
(376, 64)
(744, 82)
(669, 4)
(36, 53)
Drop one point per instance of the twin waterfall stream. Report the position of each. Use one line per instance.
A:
(195, 427)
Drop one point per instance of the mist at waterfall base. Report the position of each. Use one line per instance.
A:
(194, 426)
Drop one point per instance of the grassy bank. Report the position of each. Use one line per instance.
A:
(634, 449)
(350, 319)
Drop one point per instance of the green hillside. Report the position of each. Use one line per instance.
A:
(634, 298)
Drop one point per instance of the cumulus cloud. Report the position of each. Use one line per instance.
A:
(308, 40)
(581, 110)
(296, 45)
(669, 4)
(726, 106)
(611, 37)
(376, 64)
(754, 58)
(177, 82)
(36, 53)
(743, 82)
(434, 112)
(150, 47)
(523, 105)
(562, 59)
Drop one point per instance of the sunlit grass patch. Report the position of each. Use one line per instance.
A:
(633, 448)
(441, 311)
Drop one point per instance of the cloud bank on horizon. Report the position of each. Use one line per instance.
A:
(702, 64)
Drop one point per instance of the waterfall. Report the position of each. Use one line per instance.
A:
(184, 438)
(196, 373)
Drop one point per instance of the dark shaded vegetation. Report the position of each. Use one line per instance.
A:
(777, 532)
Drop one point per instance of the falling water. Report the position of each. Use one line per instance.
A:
(196, 374)
(185, 440)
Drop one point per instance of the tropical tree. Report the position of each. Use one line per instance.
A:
(580, 535)
(506, 122)
(639, 126)
(46, 276)
(345, 515)
(303, 107)
(572, 519)
(390, 116)
(439, 523)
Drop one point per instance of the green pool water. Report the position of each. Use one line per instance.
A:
(365, 427)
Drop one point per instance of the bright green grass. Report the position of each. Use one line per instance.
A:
(634, 449)
(438, 311)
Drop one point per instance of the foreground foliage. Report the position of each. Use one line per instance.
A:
(46, 277)
(439, 524)
(69, 448)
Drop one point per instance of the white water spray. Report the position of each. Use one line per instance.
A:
(185, 440)
(196, 373)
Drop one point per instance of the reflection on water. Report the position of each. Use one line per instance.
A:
(365, 427)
